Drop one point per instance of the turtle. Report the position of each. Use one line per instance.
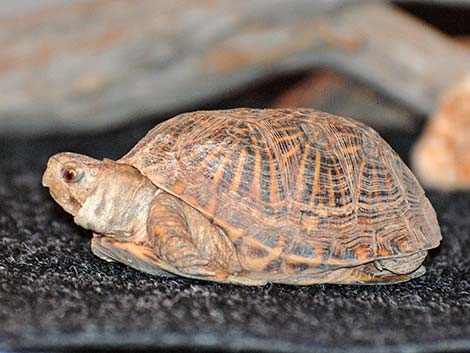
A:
(253, 196)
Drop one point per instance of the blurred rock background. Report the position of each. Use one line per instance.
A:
(88, 65)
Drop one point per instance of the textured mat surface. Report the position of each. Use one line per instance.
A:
(54, 294)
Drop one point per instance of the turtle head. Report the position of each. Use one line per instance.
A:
(71, 178)
(107, 197)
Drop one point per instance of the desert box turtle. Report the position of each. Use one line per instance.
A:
(251, 196)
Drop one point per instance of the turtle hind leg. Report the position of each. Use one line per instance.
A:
(366, 274)
(388, 271)
(369, 274)
(403, 264)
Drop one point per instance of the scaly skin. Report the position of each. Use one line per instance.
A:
(125, 209)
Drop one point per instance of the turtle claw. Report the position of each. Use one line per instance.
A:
(198, 271)
(195, 266)
(191, 261)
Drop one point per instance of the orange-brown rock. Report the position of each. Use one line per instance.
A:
(441, 157)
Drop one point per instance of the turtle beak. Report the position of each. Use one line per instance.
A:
(48, 176)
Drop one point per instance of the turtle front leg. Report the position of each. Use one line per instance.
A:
(188, 242)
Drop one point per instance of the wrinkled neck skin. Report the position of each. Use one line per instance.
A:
(118, 206)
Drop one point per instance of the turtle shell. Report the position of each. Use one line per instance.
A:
(292, 188)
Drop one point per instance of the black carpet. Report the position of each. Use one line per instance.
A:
(55, 295)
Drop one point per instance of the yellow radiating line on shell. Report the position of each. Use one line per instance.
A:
(239, 170)
(316, 180)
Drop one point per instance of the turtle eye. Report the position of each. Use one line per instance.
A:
(71, 175)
